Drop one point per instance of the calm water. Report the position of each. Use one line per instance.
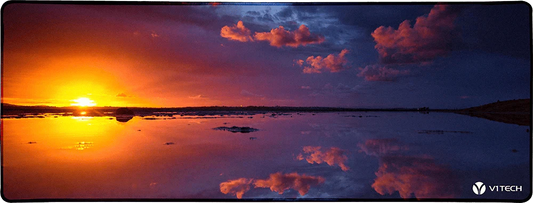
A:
(327, 155)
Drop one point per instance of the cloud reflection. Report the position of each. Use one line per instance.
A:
(236, 187)
(380, 147)
(331, 156)
(419, 176)
(411, 175)
(277, 182)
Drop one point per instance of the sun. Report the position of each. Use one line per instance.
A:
(83, 101)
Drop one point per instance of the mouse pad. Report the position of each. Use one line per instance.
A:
(257, 101)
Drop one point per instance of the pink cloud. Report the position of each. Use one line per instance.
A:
(279, 182)
(279, 37)
(430, 37)
(236, 187)
(236, 32)
(380, 73)
(197, 97)
(300, 62)
(331, 62)
(418, 176)
(310, 70)
(332, 156)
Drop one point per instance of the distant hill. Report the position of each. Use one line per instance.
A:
(6, 105)
(509, 106)
(510, 111)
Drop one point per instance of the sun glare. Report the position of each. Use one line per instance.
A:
(83, 102)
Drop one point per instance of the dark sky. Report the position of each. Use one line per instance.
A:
(349, 55)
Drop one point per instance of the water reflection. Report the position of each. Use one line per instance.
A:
(123, 118)
(277, 182)
(80, 146)
(418, 176)
(185, 158)
(330, 156)
(381, 147)
(410, 175)
(236, 187)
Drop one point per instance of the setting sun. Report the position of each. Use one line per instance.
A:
(83, 102)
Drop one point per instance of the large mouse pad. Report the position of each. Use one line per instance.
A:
(250, 101)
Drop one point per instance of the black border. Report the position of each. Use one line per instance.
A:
(140, 3)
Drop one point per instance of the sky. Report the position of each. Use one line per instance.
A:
(350, 55)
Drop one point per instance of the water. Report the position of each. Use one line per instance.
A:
(327, 155)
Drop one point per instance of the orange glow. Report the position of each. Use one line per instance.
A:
(82, 101)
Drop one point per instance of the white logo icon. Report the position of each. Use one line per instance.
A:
(479, 188)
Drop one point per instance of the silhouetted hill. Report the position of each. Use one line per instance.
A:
(509, 106)
(511, 111)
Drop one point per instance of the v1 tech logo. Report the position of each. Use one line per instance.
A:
(479, 188)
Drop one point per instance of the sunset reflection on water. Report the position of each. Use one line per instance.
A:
(336, 157)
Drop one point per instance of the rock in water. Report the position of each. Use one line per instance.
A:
(236, 129)
(124, 114)
(124, 111)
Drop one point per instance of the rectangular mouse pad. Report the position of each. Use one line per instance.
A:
(251, 101)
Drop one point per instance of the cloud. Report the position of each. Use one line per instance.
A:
(332, 156)
(236, 187)
(430, 37)
(418, 176)
(300, 62)
(197, 97)
(380, 73)
(310, 70)
(306, 87)
(236, 32)
(122, 95)
(381, 147)
(279, 37)
(331, 62)
(279, 182)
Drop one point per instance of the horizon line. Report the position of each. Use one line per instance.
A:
(277, 106)
(242, 106)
